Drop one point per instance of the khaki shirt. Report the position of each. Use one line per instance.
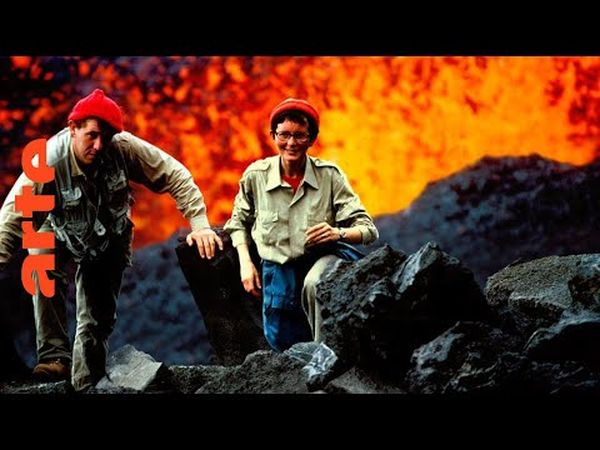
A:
(276, 218)
(146, 164)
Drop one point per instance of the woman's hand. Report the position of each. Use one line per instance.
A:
(322, 233)
(250, 278)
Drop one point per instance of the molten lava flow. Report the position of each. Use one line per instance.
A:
(393, 124)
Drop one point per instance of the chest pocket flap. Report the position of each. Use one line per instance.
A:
(117, 182)
(267, 223)
(71, 197)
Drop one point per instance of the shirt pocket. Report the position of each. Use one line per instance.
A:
(118, 191)
(73, 212)
(71, 197)
(315, 219)
(267, 226)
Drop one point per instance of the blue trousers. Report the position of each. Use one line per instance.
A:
(284, 321)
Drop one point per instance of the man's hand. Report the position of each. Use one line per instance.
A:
(205, 240)
(250, 278)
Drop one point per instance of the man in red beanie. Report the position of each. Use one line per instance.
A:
(301, 212)
(94, 160)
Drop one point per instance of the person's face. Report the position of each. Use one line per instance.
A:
(88, 141)
(292, 140)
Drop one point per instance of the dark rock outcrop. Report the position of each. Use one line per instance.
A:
(382, 308)
(462, 359)
(574, 338)
(30, 386)
(358, 381)
(130, 369)
(472, 358)
(377, 310)
(398, 324)
(535, 294)
(500, 210)
(232, 317)
(263, 372)
(322, 365)
(156, 311)
(188, 379)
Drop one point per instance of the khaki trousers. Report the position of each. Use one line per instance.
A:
(97, 287)
(310, 304)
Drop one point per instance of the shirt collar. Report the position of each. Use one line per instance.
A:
(274, 176)
(309, 173)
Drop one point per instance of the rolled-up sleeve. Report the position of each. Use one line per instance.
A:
(349, 210)
(160, 172)
(10, 219)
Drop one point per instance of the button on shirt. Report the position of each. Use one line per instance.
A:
(276, 218)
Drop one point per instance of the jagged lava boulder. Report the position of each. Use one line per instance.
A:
(377, 310)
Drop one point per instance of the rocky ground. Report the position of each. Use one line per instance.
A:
(436, 310)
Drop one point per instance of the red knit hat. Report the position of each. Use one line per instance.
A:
(295, 104)
(98, 105)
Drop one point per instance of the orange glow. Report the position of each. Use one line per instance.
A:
(393, 124)
(21, 62)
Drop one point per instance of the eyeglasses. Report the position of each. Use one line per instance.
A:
(285, 136)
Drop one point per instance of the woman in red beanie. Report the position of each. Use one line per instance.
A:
(302, 214)
(93, 160)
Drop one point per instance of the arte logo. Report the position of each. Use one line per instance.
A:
(28, 203)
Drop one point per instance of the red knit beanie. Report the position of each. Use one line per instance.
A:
(295, 104)
(98, 105)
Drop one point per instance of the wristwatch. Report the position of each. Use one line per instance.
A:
(342, 234)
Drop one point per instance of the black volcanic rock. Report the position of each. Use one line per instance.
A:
(188, 379)
(383, 308)
(31, 386)
(500, 210)
(574, 338)
(377, 310)
(462, 359)
(128, 368)
(262, 372)
(473, 358)
(232, 317)
(322, 366)
(536, 294)
(156, 312)
(357, 381)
